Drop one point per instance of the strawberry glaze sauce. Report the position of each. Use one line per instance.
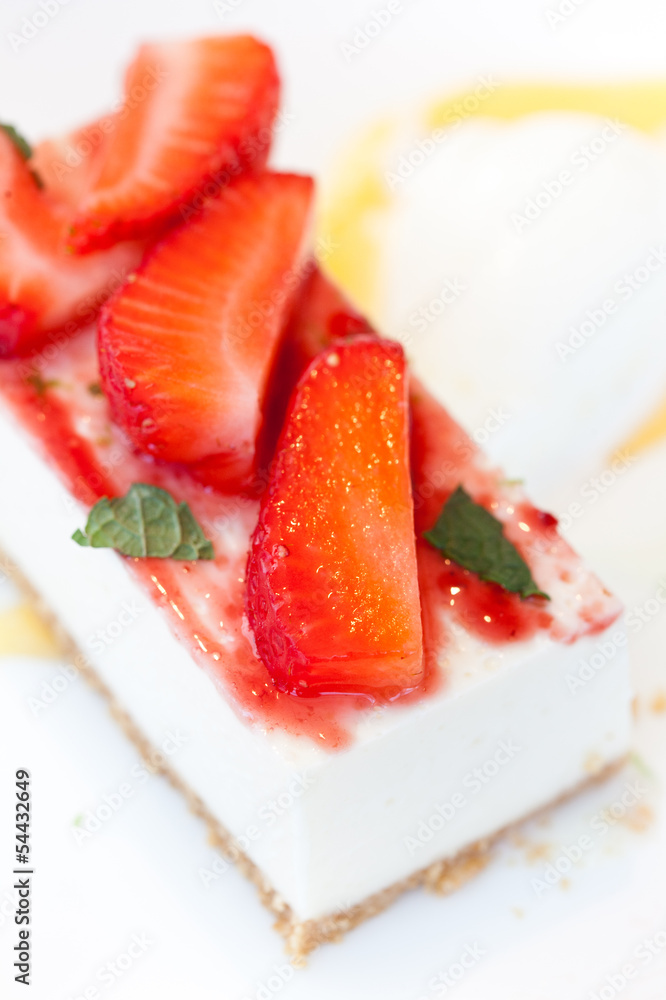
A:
(59, 403)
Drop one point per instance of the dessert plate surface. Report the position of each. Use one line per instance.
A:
(140, 907)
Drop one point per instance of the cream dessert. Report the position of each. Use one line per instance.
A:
(372, 639)
(368, 795)
(538, 302)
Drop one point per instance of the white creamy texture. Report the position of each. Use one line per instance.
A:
(353, 822)
(503, 282)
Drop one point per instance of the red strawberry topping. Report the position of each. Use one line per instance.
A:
(195, 114)
(187, 347)
(43, 288)
(320, 315)
(332, 592)
(68, 164)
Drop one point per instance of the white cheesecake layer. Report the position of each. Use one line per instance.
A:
(328, 829)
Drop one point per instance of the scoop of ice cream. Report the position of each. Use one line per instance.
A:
(523, 266)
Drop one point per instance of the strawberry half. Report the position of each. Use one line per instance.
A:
(332, 593)
(68, 164)
(320, 315)
(43, 288)
(187, 347)
(195, 114)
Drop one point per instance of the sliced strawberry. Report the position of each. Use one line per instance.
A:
(187, 347)
(443, 455)
(320, 315)
(332, 593)
(43, 288)
(195, 114)
(68, 164)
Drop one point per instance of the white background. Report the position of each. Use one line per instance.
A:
(138, 875)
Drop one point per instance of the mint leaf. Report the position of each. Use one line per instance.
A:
(39, 384)
(24, 149)
(471, 536)
(21, 144)
(194, 544)
(145, 522)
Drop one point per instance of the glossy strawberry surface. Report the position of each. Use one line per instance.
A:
(320, 315)
(332, 591)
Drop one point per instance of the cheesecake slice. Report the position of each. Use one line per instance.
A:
(331, 804)
(252, 527)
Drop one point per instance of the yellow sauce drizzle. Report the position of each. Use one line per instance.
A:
(346, 217)
(642, 105)
(358, 193)
(23, 633)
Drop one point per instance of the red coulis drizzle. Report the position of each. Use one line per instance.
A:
(484, 609)
(49, 420)
(323, 719)
(443, 456)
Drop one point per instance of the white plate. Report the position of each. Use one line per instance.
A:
(139, 874)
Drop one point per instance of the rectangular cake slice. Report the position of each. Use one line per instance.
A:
(333, 804)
